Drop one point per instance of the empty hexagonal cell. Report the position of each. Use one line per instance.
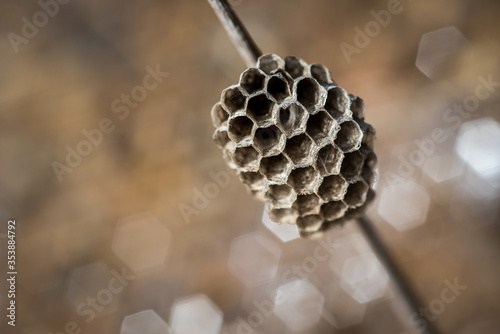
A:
(286, 230)
(352, 164)
(281, 195)
(349, 136)
(240, 129)
(413, 203)
(333, 210)
(368, 135)
(356, 194)
(275, 168)
(304, 180)
(333, 188)
(283, 215)
(329, 160)
(220, 137)
(269, 141)
(219, 115)
(364, 278)
(337, 102)
(246, 157)
(357, 107)
(232, 99)
(320, 127)
(254, 180)
(195, 314)
(269, 63)
(254, 259)
(308, 93)
(278, 88)
(299, 149)
(291, 119)
(298, 304)
(141, 241)
(252, 80)
(296, 67)
(306, 204)
(260, 109)
(144, 322)
(321, 74)
(310, 223)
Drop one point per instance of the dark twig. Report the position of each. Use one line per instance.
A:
(236, 31)
(250, 52)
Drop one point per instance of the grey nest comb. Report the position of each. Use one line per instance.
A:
(298, 142)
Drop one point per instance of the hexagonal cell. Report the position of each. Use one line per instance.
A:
(333, 210)
(269, 141)
(356, 194)
(232, 99)
(329, 160)
(269, 63)
(349, 136)
(296, 67)
(246, 157)
(298, 304)
(253, 259)
(321, 74)
(337, 102)
(299, 149)
(333, 188)
(283, 215)
(141, 241)
(413, 204)
(219, 115)
(306, 204)
(221, 137)
(252, 80)
(308, 93)
(357, 107)
(278, 88)
(281, 195)
(304, 180)
(260, 109)
(275, 168)
(352, 164)
(254, 180)
(240, 129)
(144, 322)
(195, 314)
(310, 223)
(291, 119)
(368, 135)
(285, 230)
(364, 278)
(320, 127)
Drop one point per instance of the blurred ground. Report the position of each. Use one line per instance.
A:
(116, 209)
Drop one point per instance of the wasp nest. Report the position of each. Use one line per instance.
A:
(298, 142)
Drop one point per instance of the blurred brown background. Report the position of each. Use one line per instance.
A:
(119, 208)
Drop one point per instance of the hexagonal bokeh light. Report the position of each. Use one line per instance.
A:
(285, 232)
(404, 205)
(254, 259)
(364, 278)
(345, 310)
(298, 304)
(144, 322)
(141, 241)
(478, 146)
(195, 314)
(438, 47)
